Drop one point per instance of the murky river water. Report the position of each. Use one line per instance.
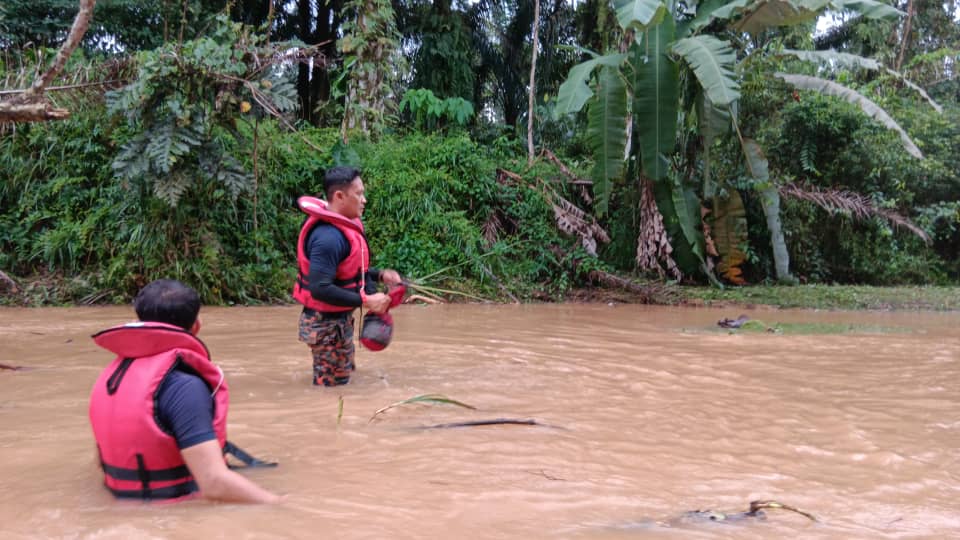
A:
(656, 413)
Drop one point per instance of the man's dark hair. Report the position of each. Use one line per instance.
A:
(338, 178)
(168, 301)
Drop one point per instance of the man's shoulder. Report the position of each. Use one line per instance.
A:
(179, 383)
(326, 233)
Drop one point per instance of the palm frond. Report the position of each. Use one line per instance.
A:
(575, 222)
(850, 203)
(423, 398)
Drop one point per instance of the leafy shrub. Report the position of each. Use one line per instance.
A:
(429, 112)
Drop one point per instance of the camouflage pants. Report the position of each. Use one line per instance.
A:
(331, 342)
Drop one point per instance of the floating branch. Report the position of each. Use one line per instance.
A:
(756, 506)
(423, 398)
(431, 290)
(493, 422)
(421, 298)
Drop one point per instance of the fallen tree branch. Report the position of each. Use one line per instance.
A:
(31, 112)
(421, 298)
(31, 106)
(77, 30)
(492, 422)
(650, 293)
(67, 87)
(574, 179)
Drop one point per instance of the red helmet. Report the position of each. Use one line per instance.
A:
(377, 329)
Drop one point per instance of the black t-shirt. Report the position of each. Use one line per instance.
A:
(326, 247)
(185, 409)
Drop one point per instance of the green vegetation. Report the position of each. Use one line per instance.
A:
(828, 297)
(717, 143)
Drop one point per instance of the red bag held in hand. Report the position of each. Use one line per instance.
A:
(378, 328)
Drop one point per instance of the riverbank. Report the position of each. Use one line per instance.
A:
(856, 297)
(59, 291)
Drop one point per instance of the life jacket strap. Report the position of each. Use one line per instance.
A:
(135, 475)
(169, 492)
(246, 458)
(353, 283)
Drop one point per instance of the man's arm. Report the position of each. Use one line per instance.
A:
(216, 481)
(327, 246)
(185, 409)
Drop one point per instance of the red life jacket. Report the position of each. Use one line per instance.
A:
(139, 459)
(351, 270)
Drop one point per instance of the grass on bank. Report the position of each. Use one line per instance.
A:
(827, 297)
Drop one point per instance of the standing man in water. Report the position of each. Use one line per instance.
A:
(334, 275)
(159, 410)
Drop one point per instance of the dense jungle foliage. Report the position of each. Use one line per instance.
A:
(722, 143)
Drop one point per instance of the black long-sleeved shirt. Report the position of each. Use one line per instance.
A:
(326, 247)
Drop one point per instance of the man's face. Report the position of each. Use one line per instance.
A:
(353, 199)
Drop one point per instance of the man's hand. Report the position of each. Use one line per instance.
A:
(390, 277)
(216, 481)
(377, 303)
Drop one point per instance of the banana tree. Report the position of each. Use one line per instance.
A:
(674, 70)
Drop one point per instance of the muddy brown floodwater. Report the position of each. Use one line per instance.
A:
(658, 412)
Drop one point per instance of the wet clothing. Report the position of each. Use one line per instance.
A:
(333, 260)
(326, 246)
(185, 409)
(138, 437)
(349, 268)
(330, 338)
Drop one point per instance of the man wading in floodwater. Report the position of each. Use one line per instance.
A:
(159, 410)
(334, 276)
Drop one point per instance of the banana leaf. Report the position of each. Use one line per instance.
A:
(656, 84)
(640, 14)
(729, 231)
(806, 82)
(851, 61)
(607, 134)
(575, 92)
(680, 209)
(770, 201)
(712, 61)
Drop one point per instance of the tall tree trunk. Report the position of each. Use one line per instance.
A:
(533, 86)
(303, 70)
(905, 38)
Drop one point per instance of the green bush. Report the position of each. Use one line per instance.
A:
(69, 223)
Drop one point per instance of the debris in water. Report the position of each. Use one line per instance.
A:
(733, 323)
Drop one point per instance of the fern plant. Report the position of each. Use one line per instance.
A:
(184, 106)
